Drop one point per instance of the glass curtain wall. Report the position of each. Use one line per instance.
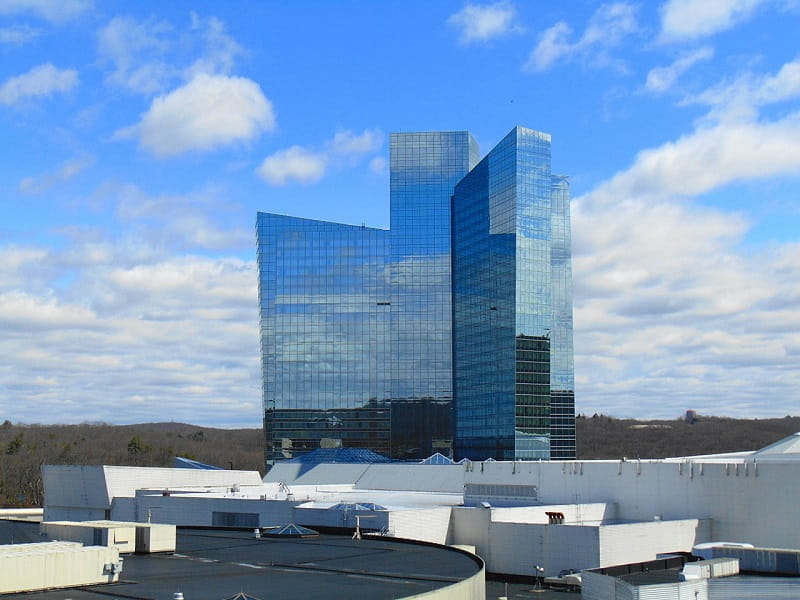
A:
(450, 332)
(324, 299)
(424, 170)
(562, 377)
(502, 301)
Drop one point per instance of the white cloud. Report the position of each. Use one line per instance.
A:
(147, 56)
(690, 19)
(68, 170)
(41, 81)
(553, 44)
(729, 144)
(660, 79)
(180, 222)
(136, 49)
(140, 311)
(219, 49)
(55, 11)
(480, 23)
(346, 143)
(609, 25)
(304, 165)
(23, 311)
(741, 98)
(379, 165)
(686, 317)
(143, 336)
(18, 34)
(709, 158)
(206, 113)
(293, 164)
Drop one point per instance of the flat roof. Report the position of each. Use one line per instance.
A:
(212, 564)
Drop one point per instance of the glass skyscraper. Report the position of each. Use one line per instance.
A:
(450, 332)
(424, 169)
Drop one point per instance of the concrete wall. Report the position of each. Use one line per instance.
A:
(86, 492)
(413, 478)
(637, 542)
(74, 493)
(517, 548)
(580, 514)
(470, 526)
(741, 501)
(426, 524)
(198, 511)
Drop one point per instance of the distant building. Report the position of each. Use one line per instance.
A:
(451, 332)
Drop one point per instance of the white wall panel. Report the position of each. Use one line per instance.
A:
(516, 548)
(742, 502)
(427, 524)
(413, 478)
(580, 514)
(636, 542)
(470, 526)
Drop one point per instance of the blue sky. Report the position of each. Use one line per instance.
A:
(139, 140)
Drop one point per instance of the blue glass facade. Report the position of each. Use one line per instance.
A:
(512, 326)
(325, 302)
(424, 169)
(562, 368)
(450, 332)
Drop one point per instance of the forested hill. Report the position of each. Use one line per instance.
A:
(24, 448)
(600, 436)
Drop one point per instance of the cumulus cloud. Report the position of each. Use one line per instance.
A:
(172, 339)
(609, 25)
(42, 81)
(687, 318)
(347, 143)
(710, 158)
(68, 170)
(691, 19)
(179, 222)
(293, 164)
(661, 79)
(304, 165)
(682, 314)
(208, 112)
(741, 98)
(58, 11)
(481, 23)
(18, 34)
(147, 56)
(136, 322)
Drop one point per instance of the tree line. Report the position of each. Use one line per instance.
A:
(25, 448)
